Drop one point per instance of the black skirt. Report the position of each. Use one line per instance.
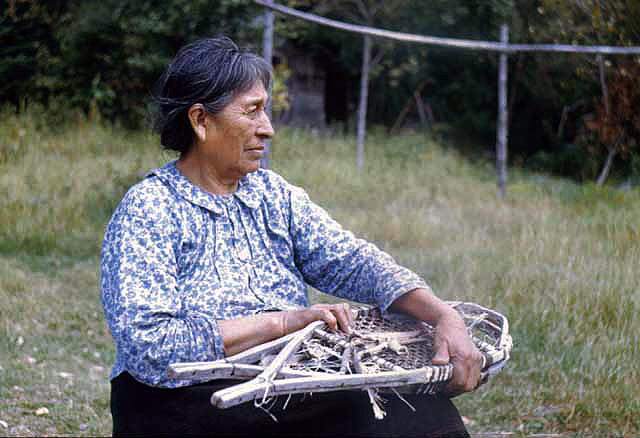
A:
(138, 409)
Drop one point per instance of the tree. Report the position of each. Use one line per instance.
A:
(29, 49)
(132, 41)
(611, 118)
(106, 54)
(617, 122)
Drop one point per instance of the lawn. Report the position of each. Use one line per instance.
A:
(558, 258)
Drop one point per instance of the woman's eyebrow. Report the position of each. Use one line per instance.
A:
(257, 100)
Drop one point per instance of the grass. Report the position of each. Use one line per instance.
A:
(559, 259)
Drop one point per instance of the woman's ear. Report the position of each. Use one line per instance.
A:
(198, 117)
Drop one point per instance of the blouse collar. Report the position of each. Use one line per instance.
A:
(250, 189)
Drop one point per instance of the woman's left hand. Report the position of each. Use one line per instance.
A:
(454, 346)
(337, 316)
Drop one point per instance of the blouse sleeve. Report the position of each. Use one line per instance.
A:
(334, 261)
(142, 299)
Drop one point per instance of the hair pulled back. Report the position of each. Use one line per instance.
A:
(209, 71)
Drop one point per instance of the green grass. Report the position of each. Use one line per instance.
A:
(559, 259)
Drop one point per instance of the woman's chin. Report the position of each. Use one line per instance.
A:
(251, 166)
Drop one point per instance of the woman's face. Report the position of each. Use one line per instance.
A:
(236, 136)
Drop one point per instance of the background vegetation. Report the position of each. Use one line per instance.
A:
(103, 56)
(559, 259)
(558, 256)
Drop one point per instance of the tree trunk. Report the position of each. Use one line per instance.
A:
(605, 98)
(603, 84)
(565, 115)
(607, 167)
(362, 106)
(421, 111)
(407, 107)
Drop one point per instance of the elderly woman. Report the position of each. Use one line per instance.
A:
(210, 255)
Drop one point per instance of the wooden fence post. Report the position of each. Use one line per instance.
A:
(362, 105)
(502, 134)
(267, 54)
(503, 47)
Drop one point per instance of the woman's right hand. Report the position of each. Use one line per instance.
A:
(239, 334)
(337, 316)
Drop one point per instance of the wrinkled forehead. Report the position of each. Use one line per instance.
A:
(255, 94)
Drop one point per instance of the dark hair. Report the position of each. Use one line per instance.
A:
(209, 71)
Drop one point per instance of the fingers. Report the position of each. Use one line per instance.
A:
(442, 353)
(472, 367)
(454, 345)
(337, 316)
(466, 373)
(327, 316)
(344, 315)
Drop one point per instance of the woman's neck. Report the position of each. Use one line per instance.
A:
(205, 176)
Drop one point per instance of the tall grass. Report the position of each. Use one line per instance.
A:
(557, 258)
(58, 187)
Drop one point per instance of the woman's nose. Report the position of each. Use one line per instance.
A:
(264, 128)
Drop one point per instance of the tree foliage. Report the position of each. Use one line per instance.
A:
(573, 81)
(103, 56)
(617, 122)
(29, 49)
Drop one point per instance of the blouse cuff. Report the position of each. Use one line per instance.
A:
(397, 293)
(218, 343)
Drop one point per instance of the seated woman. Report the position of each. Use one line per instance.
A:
(210, 255)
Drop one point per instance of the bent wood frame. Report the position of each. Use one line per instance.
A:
(278, 379)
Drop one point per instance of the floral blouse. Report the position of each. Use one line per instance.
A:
(176, 259)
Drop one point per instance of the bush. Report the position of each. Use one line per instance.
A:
(569, 160)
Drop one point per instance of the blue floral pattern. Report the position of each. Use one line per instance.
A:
(176, 259)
